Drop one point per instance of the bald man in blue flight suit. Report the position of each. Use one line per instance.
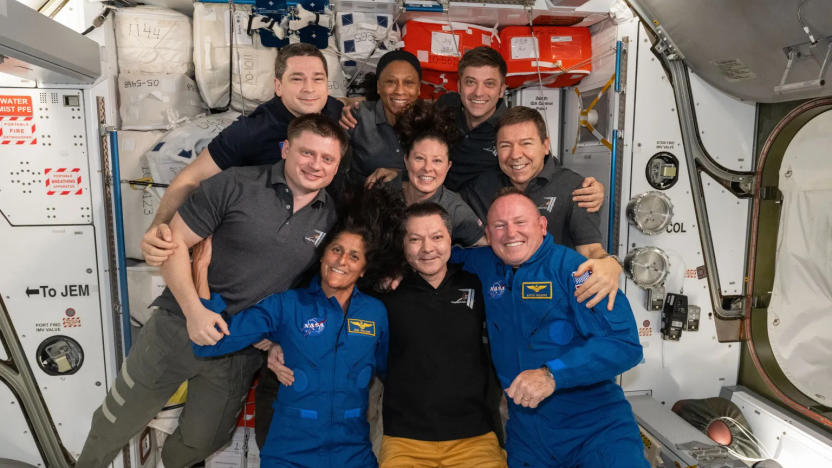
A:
(321, 419)
(556, 359)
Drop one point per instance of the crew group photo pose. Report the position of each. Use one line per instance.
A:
(406, 283)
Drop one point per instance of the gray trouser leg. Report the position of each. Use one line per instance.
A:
(215, 399)
(161, 359)
(147, 379)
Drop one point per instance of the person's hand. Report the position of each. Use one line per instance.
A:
(590, 196)
(157, 244)
(263, 345)
(202, 325)
(531, 387)
(389, 283)
(380, 176)
(348, 121)
(603, 282)
(277, 365)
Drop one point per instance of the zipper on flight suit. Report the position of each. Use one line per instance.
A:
(334, 372)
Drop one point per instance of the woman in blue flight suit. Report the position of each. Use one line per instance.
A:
(336, 339)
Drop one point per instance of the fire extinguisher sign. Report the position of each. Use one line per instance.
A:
(17, 126)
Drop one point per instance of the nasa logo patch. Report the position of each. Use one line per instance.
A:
(314, 327)
(497, 289)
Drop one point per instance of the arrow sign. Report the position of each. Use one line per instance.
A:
(30, 291)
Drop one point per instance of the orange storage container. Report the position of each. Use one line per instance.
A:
(563, 55)
(436, 83)
(438, 44)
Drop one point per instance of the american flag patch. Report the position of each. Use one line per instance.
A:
(579, 280)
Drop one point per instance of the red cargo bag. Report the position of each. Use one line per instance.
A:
(562, 55)
(438, 44)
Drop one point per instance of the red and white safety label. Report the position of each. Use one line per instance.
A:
(17, 126)
(63, 181)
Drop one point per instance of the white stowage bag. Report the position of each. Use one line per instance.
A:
(365, 37)
(180, 146)
(153, 40)
(335, 72)
(157, 102)
(145, 283)
(138, 204)
(251, 68)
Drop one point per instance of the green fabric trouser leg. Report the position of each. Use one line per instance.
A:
(160, 360)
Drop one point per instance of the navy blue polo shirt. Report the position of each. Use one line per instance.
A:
(476, 152)
(255, 139)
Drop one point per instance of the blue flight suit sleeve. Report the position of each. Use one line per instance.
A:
(245, 327)
(611, 347)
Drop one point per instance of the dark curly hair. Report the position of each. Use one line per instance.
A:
(377, 215)
(423, 120)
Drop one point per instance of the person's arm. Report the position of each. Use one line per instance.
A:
(590, 195)
(603, 282)
(157, 243)
(245, 327)
(201, 259)
(611, 348)
(202, 324)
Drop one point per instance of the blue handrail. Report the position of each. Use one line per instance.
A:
(120, 252)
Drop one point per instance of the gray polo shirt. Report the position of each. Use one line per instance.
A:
(466, 225)
(374, 142)
(259, 246)
(551, 190)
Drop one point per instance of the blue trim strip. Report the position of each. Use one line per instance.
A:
(618, 66)
(122, 264)
(437, 8)
(613, 161)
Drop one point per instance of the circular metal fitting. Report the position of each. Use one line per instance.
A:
(650, 212)
(647, 266)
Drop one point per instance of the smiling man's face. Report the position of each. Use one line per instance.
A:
(515, 229)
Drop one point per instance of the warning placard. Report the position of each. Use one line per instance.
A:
(16, 121)
(63, 181)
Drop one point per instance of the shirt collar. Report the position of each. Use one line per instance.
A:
(436, 195)
(316, 290)
(378, 111)
(280, 111)
(419, 282)
(277, 176)
(491, 121)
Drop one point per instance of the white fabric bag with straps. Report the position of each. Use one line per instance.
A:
(220, 54)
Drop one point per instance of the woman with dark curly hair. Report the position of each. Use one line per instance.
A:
(426, 133)
(334, 337)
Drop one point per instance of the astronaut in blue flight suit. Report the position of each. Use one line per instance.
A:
(556, 359)
(335, 338)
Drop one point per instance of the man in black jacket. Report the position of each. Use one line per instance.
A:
(437, 407)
